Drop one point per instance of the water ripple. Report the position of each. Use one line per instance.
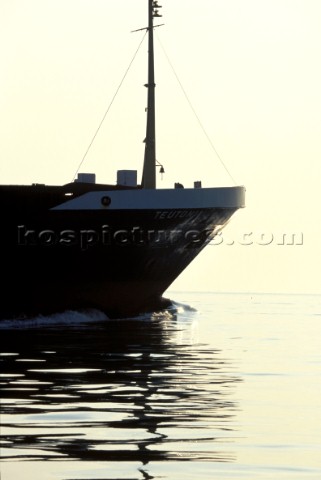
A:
(116, 391)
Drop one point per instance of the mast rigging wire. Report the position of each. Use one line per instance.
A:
(193, 110)
(109, 106)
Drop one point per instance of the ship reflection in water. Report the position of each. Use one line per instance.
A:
(129, 390)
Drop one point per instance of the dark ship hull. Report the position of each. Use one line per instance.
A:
(114, 248)
(94, 246)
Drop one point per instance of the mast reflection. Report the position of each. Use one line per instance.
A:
(131, 390)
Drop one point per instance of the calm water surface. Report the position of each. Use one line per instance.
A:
(228, 389)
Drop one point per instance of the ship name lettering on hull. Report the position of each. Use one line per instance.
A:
(171, 214)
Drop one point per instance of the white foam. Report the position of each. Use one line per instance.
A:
(69, 317)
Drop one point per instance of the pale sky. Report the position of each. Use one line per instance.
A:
(252, 72)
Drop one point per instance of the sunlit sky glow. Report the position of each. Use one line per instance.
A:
(251, 70)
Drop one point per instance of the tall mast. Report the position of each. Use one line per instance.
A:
(149, 169)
